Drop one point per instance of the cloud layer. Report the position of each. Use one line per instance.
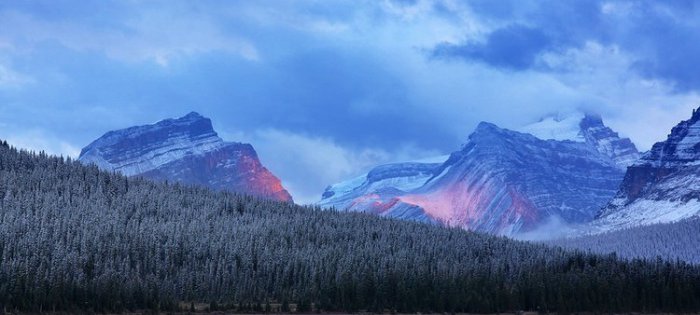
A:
(324, 90)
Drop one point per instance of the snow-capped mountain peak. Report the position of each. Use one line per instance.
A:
(557, 127)
(185, 149)
(501, 181)
(140, 149)
(663, 185)
(681, 148)
(588, 128)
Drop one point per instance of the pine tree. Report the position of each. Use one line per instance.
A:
(74, 238)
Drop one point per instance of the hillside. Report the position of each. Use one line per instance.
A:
(75, 238)
(677, 240)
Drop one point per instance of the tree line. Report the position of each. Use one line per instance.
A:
(672, 241)
(74, 238)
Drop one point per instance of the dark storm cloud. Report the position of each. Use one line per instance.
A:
(662, 36)
(335, 87)
(667, 43)
(512, 47)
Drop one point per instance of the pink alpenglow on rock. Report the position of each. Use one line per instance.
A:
(185, 150)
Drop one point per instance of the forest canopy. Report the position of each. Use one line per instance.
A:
(73, 237)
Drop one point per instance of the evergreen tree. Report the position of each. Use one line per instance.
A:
(74, 238)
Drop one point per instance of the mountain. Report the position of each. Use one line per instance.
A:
(588, 128)
(664, 185)
(500, 182)
(382, 182)
(186, 150)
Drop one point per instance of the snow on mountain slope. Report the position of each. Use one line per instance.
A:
(187, 150)
(663, 186)
(395, 177)
(588, 128)
(500, 182)
(607, 141)
(557, 127)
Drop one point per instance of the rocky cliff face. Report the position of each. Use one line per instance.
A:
(588, 128)
(501, 182)
(186, 150)
(606, 141)
(377, 190)
(664, 185)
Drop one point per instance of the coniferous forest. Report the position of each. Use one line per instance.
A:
(74, 238)
(676, 240)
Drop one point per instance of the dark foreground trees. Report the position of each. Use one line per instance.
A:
(75, 238)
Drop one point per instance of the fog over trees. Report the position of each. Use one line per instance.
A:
(672, 241)
(73, 237)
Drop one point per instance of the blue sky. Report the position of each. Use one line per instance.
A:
(326, 89)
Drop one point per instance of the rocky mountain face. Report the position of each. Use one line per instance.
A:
(186, 150)
(621, 150)
(663, 185)
(588, 128)
(378, 189)
(501, 181)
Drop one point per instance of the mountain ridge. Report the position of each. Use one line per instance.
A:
(187, 150)
(500, 181)
(663, 185)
